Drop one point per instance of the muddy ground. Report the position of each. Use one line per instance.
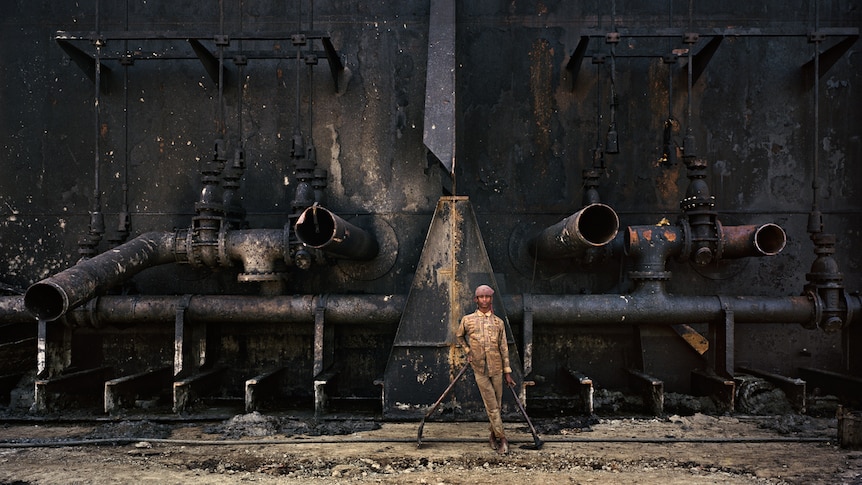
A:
(257, 448)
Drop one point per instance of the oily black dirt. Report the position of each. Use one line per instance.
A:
(259, 448)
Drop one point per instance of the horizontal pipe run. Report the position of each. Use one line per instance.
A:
(659, 308)
(340, 309)
(646, 308)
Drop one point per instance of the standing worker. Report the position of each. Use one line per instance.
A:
(483, 336)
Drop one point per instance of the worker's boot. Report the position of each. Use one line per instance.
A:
(492, 440)
(504, 446)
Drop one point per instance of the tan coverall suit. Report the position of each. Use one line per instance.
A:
(483, 336)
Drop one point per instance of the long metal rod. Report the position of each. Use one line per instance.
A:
(537, 442)
(220, 110)
(815, 180)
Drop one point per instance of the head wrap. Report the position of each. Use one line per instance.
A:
(484, 290)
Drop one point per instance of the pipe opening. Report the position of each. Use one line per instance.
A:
(316, 227)
(598, 224)
(45, 301)
(770, 239)
(321, 229)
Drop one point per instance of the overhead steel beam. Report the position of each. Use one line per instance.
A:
(340, 74)
(702, 58)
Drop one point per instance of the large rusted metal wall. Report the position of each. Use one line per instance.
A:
(536, 87)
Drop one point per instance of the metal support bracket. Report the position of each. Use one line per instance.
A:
(208, 59)
(828, 58)
(584, 390)
(651, 390)
(722, 390)
(182, 339)
(53, 348)
(577, 57)
(793, 388)
(123, 391)
(324, 336)
(188, 389)
(86, 383)
(846, 387)
(528, 334)
(722, 332)
(701, 59)
(87, 63)
(261, 387)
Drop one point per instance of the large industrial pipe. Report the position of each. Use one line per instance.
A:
(293, 309)
(321, 229)
(258, 249)
(745, 241)
(661, 308)
(52, 297)
(593, 226)
(642, 308)
(652, 245)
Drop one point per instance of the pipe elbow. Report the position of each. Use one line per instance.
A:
(52, 297)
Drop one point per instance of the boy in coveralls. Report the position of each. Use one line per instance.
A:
(483, 336)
